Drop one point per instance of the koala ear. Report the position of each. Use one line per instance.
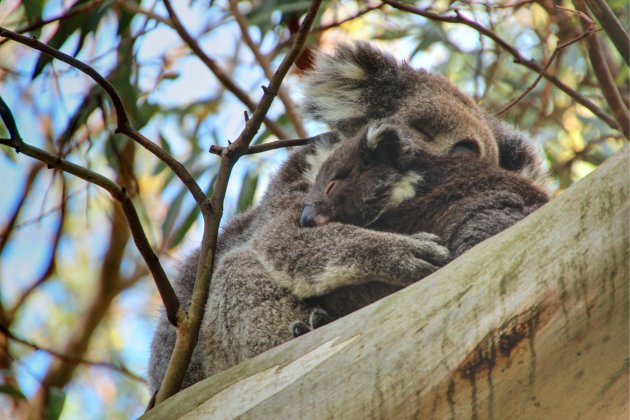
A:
(356, 84)
(382, 143)
(517, 151)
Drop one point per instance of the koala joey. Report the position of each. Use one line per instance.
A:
(386, 182)
(268, 267)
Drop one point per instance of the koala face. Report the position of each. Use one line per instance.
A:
(361, 84)
(363, 179)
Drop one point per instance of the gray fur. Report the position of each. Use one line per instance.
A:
(269, 270)
(461, 200)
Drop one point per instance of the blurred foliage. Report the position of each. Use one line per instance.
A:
(176, 101)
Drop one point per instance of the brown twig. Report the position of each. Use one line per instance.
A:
(11, 225)
(123, 123)
(518, 58)
(52, 258)
(289, 106)
(588, 31)
(88, 7)
(612, 26)
(603, 74)
(188, 334)
(70, 359)
(282, 45)
(117, 192)
(265, 147)
(217, 70)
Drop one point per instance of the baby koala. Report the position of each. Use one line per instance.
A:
(384, 182)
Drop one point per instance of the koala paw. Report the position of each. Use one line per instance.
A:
(299, 328)
(429, 247)
(318, 318)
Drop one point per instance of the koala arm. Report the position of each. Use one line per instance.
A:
(311, 262)
(483, 217)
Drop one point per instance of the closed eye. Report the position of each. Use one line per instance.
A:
(465, 147)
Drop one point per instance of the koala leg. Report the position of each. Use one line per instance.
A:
(247, 312)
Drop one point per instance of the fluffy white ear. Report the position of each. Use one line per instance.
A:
(382, 142)
(340, 86)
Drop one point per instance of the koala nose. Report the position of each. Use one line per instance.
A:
(308, 216)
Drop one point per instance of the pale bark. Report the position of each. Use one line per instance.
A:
(532, 323)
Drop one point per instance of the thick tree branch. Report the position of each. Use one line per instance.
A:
(123, 123)
(518, 57)
(217, 70)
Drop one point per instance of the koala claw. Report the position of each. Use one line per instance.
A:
(299, 328)
(318, 318)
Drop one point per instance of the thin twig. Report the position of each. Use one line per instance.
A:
(50, 265)
(590, 30)
(265, 147)
(70, 359)
(122, 119)
(289, 106)
(603, 74)
(612, 26)
(217, 70)
(117, 192)
(518, 58)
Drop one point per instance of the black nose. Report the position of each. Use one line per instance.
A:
(308, 216)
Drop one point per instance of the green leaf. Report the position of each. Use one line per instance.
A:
(33, 11)
(54, 405)
(248, 190)
(14, 393)
(68, 27)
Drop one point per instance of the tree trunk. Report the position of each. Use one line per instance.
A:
(532, 323)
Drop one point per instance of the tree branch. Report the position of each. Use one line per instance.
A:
(117, 192)
(612, 26)
(70, 359)
(604, 77)
(289, 106)
(218, 71)
(518, 58)
(589, 31)
(265, 147)
(188, 334)
(123, 123)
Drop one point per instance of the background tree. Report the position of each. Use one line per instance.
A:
(77, 304)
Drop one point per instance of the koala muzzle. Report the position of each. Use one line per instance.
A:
(308, 216)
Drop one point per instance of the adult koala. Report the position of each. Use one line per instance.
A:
(267, 265)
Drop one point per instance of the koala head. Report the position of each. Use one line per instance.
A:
(363, 179)
(360, 84)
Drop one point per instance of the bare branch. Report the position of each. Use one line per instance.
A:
(589, 31)
(518, 58)
(265, 147)
(50, 265)
(289, 106)
(604, 76)
(612, 26)
(123, 123)
(70, 359)
(117, 192)
(217, 70)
